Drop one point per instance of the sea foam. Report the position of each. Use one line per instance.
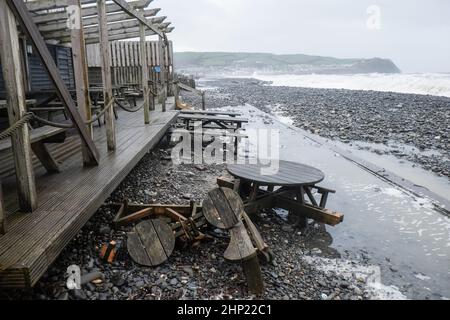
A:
(437, 84)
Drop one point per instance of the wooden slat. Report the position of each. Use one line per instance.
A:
(30, 28)
(36, 135)
(138, 15)
(119, 35)
(42, 5)
(16, 106)
(211, 112)
(206, 117)
(86, 12)
(51, 31)
(50, 4)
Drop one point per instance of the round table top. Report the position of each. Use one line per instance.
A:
(289, 174)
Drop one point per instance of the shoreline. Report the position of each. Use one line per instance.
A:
(404, 120)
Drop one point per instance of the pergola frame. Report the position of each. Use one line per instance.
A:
(46, 20)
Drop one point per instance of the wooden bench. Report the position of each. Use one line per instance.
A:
(38, 138)
(224, 209)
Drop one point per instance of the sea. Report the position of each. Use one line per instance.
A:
(437, 84)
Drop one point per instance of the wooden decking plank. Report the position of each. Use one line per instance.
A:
(56, 201)
(53, 243)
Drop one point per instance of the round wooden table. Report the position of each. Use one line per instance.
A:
(292, 181)
(290, 174)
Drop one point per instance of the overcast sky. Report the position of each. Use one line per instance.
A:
(415, 34)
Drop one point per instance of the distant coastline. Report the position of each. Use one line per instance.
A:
(229, 63)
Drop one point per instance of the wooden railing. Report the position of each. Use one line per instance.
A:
(179, 85)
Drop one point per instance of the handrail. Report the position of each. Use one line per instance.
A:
(196, 91)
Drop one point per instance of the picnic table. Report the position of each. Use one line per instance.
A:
(212, 121)
(211, 112)
(293, 187)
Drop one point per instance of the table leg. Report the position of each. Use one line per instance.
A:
(254, 191)
(237, 185)
(310, 196)
(295, 217)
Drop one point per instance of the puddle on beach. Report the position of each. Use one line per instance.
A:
(384, 226)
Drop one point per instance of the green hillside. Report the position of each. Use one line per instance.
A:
(295, 63)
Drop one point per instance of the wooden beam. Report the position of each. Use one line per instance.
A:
(144, 71)
(81, 79)
(50, 4)
(162, 65)
(129, 9)
(318, 214)
(87, 13)
(123, 25)
(16, 106)
(93, 21)
(106, 74)
(45, 157)
(134, 32)
(42, 5)
(87, 21)
(25, 19)
(119, 36)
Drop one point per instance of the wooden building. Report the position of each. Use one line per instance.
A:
(56, 173)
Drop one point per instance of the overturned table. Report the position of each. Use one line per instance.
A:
(290, 185)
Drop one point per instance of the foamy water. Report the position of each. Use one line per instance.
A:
(437, 84)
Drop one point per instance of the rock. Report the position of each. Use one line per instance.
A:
(150, 193)
(189, 271)
(173, 281)
(105, 229)
(78, 294)
(139, 283)
(63, 296)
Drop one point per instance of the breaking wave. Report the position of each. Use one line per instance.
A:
(437, 84)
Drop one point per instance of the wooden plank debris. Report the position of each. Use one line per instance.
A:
(151, 242)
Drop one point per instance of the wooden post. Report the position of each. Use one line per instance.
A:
(81, 73)
(144, 68)
(203, 101)
(2, 212)
(106, 73)
(162, 74)
(176, 93)
(16, 106)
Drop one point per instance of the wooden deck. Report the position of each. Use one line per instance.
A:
(68, 199)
